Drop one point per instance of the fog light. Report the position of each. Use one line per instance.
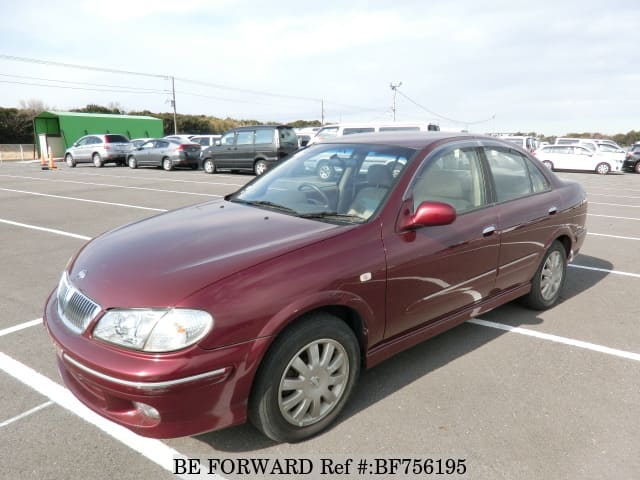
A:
(147, 410)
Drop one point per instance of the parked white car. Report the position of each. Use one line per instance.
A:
(578, 157)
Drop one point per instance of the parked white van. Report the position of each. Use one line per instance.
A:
(339, 129)
(530, 144)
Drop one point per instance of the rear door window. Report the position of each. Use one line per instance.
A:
(264, 136)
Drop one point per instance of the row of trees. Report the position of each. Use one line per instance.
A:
(16, 124)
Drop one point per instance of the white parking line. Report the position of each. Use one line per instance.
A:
(49, 230)
(57, 180)
(613, 236)
(555, 338)
(614, 204)
(609, 195)
(611, 216)
(153, 450)
(22, 326)
(84, 200)
(595, 269)
(161, 179)
(26, 414)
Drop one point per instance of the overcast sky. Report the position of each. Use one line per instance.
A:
(552, 67)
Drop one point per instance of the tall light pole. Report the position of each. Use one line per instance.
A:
(173, 104)
(394, 88)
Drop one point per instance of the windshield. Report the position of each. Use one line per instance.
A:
(342, 183)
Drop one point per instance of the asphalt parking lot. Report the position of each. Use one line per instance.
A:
(517, 394)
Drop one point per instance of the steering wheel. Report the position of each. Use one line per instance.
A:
(315, 188)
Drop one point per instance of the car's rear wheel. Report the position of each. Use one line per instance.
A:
(548, 164)
(97, 160)
(133, 163)
(209, 166)
(637, 168)
(603, 168)
(167, 164)
(324, 171)
(70, 161)
(305, 379)
(260, 167)
(548, 280)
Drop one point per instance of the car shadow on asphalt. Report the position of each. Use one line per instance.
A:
(406, 367)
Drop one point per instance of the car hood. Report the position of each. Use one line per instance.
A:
(160, 261)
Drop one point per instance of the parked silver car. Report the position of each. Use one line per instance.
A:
(166, 153)
(99, 149)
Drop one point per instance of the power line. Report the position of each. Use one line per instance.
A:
(442, 116)
(69, 87)
(82, 67)
(141, 89)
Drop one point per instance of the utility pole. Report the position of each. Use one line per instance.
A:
(322, 111)
(394, 88)
(173, 104)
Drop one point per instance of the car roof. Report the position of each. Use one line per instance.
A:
(415, 140)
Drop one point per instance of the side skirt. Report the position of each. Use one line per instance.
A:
(401, 342)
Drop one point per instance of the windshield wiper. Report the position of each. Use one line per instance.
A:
(336, 215)
(265, 203)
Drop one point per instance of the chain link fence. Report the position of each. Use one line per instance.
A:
(17, 152)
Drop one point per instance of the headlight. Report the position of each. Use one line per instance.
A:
(153, 330)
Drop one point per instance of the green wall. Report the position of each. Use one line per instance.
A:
(70, 126)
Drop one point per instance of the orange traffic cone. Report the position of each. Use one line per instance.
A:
(43, 161)
(52, 162)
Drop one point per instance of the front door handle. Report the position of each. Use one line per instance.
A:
(488, 230)
(553, 211)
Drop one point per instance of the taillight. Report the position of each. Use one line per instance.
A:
(181, 148)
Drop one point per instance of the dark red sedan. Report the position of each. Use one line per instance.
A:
(267, 304)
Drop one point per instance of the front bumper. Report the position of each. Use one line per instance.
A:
(192, 391)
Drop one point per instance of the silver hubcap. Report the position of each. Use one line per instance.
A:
(324, 172)
(208, 166)
(261, 167)
(603, 169)
(551, 276)
(313, 382)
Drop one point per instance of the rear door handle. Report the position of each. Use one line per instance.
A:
(488, 230)
(553, 211)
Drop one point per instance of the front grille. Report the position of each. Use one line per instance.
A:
(75, 309)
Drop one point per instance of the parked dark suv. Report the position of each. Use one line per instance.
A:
(632, 159)
(254, 148)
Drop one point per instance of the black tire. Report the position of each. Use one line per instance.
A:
(260, 167)
(166, 164)
(325, 171)
(97, 160)
(636, 168)
(133, 163)
(327, 390)
(209, 165)
(548, 281)
(70, 160)
(603, 168)
(548, 164)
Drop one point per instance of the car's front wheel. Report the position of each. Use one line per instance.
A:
(637, 167)
(133, 163)
(548, 164)
(548, 280)
(167, 164)
(209, 166)
(305, 379)
(70, 161)
(603, 168)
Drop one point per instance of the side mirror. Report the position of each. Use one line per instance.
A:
(218, 143)
(429, 214)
